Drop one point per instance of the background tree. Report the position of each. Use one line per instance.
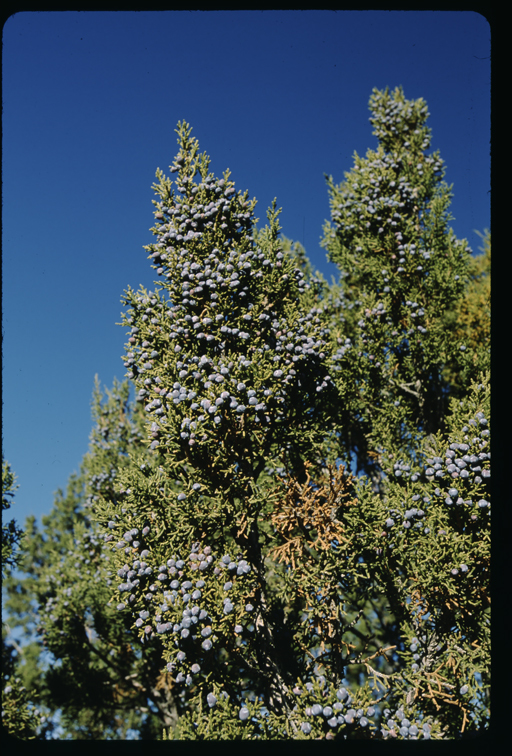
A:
(293, 521)
(470, 322)
(11, 533)
(20, 718)
(81, 663)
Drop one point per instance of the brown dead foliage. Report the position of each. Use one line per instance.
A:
(307, 515)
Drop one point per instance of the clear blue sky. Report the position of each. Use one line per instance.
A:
(90, 104)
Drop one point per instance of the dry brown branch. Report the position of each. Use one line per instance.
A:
(306, 516)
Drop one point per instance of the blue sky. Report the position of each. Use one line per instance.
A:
(90, 104)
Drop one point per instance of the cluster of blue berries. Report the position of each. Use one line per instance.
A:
(342, 352)
(374, 199)
(464, 466)
(399, 726)
(409, 517)
(399, 122)
(172, 596)
(377, 199)
(332, 710)
(403, 471)
(203, 206)
(100, 482)
(212, 388)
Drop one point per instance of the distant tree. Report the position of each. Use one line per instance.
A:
(287, 536)
(20, 718)
(11, 533)
(469, 322)
(80, 658)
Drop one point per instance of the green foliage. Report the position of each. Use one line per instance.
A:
(11, 534)
(470, 323)
(20, 720)
(286, 535)
(19, 717)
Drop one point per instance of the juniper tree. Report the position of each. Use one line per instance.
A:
(297, 545)
(403, 269)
